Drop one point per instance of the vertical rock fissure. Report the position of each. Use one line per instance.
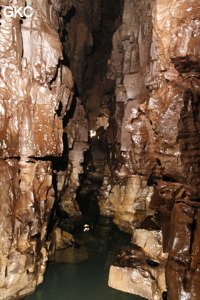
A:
(88, 44)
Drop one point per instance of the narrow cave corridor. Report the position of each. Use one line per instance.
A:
(99, 149)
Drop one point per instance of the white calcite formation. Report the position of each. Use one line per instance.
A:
(128, 202)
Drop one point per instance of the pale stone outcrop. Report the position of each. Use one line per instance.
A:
(139, 266)
(128, 202)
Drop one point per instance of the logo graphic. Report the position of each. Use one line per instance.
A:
(9, 11)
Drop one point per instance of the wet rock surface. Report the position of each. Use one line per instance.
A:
(138, 272)
(143, 105)
(154, 134)
(36, 91)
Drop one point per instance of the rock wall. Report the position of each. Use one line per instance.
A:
(180, 77)
(154, 144)
(36, 91)
(83, 19)
(129, 66)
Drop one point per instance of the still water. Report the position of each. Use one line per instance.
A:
(87, 280)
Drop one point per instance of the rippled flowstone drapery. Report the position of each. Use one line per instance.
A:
(33, 87)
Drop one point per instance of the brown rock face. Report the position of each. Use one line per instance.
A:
(129, 66)
(84, 18)
(33, 87)
(27, 198)
(162, 143)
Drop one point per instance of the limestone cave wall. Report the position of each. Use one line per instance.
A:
(36, 91)
(153, 185)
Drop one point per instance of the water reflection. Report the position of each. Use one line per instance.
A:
(88, 279)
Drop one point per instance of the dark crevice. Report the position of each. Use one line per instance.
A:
(69, 113)
(168, 179)
(152, 263)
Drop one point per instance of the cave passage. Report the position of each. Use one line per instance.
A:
(81, 271)
(99, 149)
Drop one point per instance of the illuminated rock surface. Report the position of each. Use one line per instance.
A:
(34, 85)
(157, 102)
